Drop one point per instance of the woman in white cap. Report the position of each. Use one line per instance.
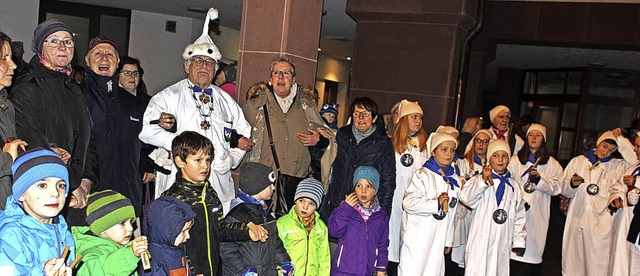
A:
(500, 128)
(498, 218)
(410, 145)
(589, 180)
(540, 176)
(430, 204)
(473, 163)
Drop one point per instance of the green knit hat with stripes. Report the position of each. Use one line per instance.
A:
(106, 209)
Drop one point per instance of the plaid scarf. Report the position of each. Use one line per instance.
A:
(66, 70)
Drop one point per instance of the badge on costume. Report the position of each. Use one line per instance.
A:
(593, 189)
(227, 134)
(529, 187)
(453, 202)
(500, 216)
(406, 160)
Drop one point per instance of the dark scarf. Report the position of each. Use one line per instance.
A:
(449, 172)
(504, 181)
(103, 86)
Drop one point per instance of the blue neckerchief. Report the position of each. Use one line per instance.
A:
(251, 200)
(636, 171)
(532, 159)
(455, 164)
(593, 158)
(504, 181)
(207, 91)
(433, 166)
(478, 160)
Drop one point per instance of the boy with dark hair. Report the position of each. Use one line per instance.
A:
(192, 154)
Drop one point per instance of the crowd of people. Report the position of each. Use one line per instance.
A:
(368, 198)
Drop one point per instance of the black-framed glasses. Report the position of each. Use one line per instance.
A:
(202, 61)
(364, 114)
(55, 42)
(128, 73)
(481, 141)
(283, 73)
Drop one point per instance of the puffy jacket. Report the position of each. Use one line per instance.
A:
(264, 257)
(309, 252)
(362, 246)
(377, 151)
(26, 243)
(101, 256)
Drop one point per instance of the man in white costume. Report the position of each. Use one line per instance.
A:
(195, 104)
(590, 181)
(498, 219)
(500, 128)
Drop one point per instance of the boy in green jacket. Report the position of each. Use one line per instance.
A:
(304, 234)
(106, 246)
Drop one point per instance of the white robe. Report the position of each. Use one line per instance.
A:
(489, 244)
(177, 99)
(586, 240)
(423, 237)
(625, 256)
(539, 201)
(403, 178)
(463, 216)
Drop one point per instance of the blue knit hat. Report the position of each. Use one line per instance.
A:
(310, 188)
(368, 173)
(34, 165)
(329, 108)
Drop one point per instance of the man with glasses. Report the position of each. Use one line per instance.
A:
(294, 121)
(51, 111)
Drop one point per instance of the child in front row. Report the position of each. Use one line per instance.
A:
(33, 234)
(498, 217)
(304, 234)
(264, 258)
(167, 223)
(193, 154)
(361, 227)
(106, 245)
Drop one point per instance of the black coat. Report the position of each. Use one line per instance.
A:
(117, 117)
(376, 151)
(237, 257)
(51, 112)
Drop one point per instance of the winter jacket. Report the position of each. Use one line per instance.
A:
(209, 225)
(377, 151)
(7, 129)
(26, 243)
(309, 252)
(265, 257)
(362, 246)
(117, 121)
(51, 112)
(164, 220)
(102, 256)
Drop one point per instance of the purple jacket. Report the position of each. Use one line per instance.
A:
(362, 246)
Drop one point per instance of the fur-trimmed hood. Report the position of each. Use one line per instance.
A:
(261, 88)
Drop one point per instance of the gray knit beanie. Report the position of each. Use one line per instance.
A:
(255, 177)
(46, 29)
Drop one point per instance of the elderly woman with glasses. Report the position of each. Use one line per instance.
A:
(51, 111)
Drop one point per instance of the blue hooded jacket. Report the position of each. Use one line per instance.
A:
(26, 244)
(164, 221)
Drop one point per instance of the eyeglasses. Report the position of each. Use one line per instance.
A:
(504, 117)
(201, 61)
(481, 141)
(364, 114)
(55, 43)
(128, 73)
(281, 73)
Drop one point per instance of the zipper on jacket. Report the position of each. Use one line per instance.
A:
(340, 256)
(306, 263)
(206, 219)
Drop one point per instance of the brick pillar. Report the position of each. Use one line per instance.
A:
(410, 49)
(273, 28)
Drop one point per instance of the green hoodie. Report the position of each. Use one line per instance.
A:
(309, 252)
(101, 256)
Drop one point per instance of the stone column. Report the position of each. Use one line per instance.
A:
(278, 28)
(410, 49)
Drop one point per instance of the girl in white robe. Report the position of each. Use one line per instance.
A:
(498, 219)
(430, 204)
(589, 180)
(544, 174)
(473, 163)
(409, 141)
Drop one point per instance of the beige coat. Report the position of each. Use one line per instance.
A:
(293, 156)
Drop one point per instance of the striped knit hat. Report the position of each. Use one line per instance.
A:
(310, 188)
(34, 165)
(106, 209)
